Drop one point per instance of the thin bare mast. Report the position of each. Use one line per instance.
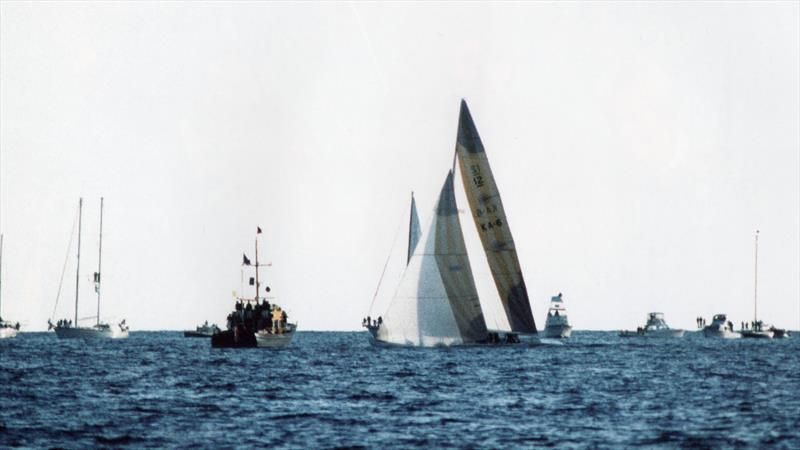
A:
(755, 287)
(78, 269)
(99, 261)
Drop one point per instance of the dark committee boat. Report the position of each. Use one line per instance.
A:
(253, 322)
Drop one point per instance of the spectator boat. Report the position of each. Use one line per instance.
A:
(557, 326)
(253, 322)
(656, 327)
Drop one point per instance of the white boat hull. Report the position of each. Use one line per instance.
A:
(720, 334)
(558, 331)
(658, 334)
(90, 333)
(752, 334)
(270, 340)
(8, 333)
(378, 338)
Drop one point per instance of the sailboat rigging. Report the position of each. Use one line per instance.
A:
(436, 301)
(67, 329)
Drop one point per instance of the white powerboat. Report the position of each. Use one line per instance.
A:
(655, 327)
(557, 326)
(720, 327)
(204, 331)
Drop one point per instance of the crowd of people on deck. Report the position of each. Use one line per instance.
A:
(258, 316)
(367, 322)
(8, 325)
(755, 325)
(64, 323)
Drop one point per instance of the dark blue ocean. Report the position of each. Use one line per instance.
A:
(160, 389)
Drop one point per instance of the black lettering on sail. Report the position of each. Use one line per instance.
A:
(495, 235)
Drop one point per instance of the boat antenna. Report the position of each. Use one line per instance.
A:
(99, 261)
(78, 269)
(755, 287)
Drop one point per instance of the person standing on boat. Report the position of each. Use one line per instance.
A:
(276, 319)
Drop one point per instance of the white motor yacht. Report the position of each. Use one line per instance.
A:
(655, 327)
(557, 326)
(720, 327)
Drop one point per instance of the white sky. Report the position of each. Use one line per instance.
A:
(637, 148)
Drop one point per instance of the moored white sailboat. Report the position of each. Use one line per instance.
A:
(757, 329)
(67, 329)
(7, 329)
(436, 302)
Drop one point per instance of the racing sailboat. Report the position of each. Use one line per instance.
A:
(436, 302)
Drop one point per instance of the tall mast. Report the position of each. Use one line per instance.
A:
(99, 260)
(257, 283)
(78, 269)
(755, 288)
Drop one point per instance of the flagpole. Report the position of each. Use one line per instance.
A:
(257, 283)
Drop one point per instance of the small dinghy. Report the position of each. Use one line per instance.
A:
(779, 333)
(656, 327)
(202, 331)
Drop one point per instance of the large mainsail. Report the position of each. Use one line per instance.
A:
(436, 302)
(490, 220)
(454, 267)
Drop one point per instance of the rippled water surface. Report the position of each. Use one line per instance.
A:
(334, 389)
